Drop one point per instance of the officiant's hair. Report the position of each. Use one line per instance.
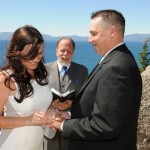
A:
(68, 38)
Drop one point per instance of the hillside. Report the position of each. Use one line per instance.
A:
(136, 37)
(128, 38)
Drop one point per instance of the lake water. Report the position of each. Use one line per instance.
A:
(84, 52)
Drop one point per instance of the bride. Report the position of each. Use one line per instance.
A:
(24, 92)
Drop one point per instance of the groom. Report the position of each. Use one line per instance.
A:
(105, 112)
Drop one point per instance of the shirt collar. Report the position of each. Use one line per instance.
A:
(109, 52)
(61, 65)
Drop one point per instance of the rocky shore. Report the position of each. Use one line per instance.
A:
(143, 141)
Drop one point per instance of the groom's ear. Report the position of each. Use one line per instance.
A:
(113, 31)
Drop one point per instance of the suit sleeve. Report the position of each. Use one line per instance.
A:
(113, 102)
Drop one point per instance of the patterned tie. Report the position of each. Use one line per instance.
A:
(63, 71)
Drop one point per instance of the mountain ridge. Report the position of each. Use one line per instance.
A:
(128, 38)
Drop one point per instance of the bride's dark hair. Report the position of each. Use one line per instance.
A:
(24, 36)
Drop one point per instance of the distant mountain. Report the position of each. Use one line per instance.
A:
(128, 38)
(74, 37)
(5, 35)
(8, 35)
(137, 37)
(79, 38)
(148, 40)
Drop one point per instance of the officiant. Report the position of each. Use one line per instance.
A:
(64, 75)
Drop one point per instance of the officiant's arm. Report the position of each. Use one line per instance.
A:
(62, 105)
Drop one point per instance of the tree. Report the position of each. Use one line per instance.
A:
(144, 57)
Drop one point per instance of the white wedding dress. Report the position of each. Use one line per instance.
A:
(27, 137)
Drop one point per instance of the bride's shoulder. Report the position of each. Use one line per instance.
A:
(6, 85)
(3, 76)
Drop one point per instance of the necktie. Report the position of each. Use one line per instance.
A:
(63, 71)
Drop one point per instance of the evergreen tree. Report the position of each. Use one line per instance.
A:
(144, 57)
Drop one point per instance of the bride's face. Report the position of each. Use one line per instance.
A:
(32, 64)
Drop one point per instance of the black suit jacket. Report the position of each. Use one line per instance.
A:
(105, 112)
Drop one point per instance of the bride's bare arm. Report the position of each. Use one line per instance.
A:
(12, 121)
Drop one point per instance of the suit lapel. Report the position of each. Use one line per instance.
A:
(113, 53)
(54, 75)
(70, 74)
(95, 70)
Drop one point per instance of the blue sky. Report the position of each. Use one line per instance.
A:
(70, 17)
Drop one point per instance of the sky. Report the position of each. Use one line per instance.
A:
(70, 17)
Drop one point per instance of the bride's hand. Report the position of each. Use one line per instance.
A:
(38, 118)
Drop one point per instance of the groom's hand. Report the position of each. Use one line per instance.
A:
(56, 123)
